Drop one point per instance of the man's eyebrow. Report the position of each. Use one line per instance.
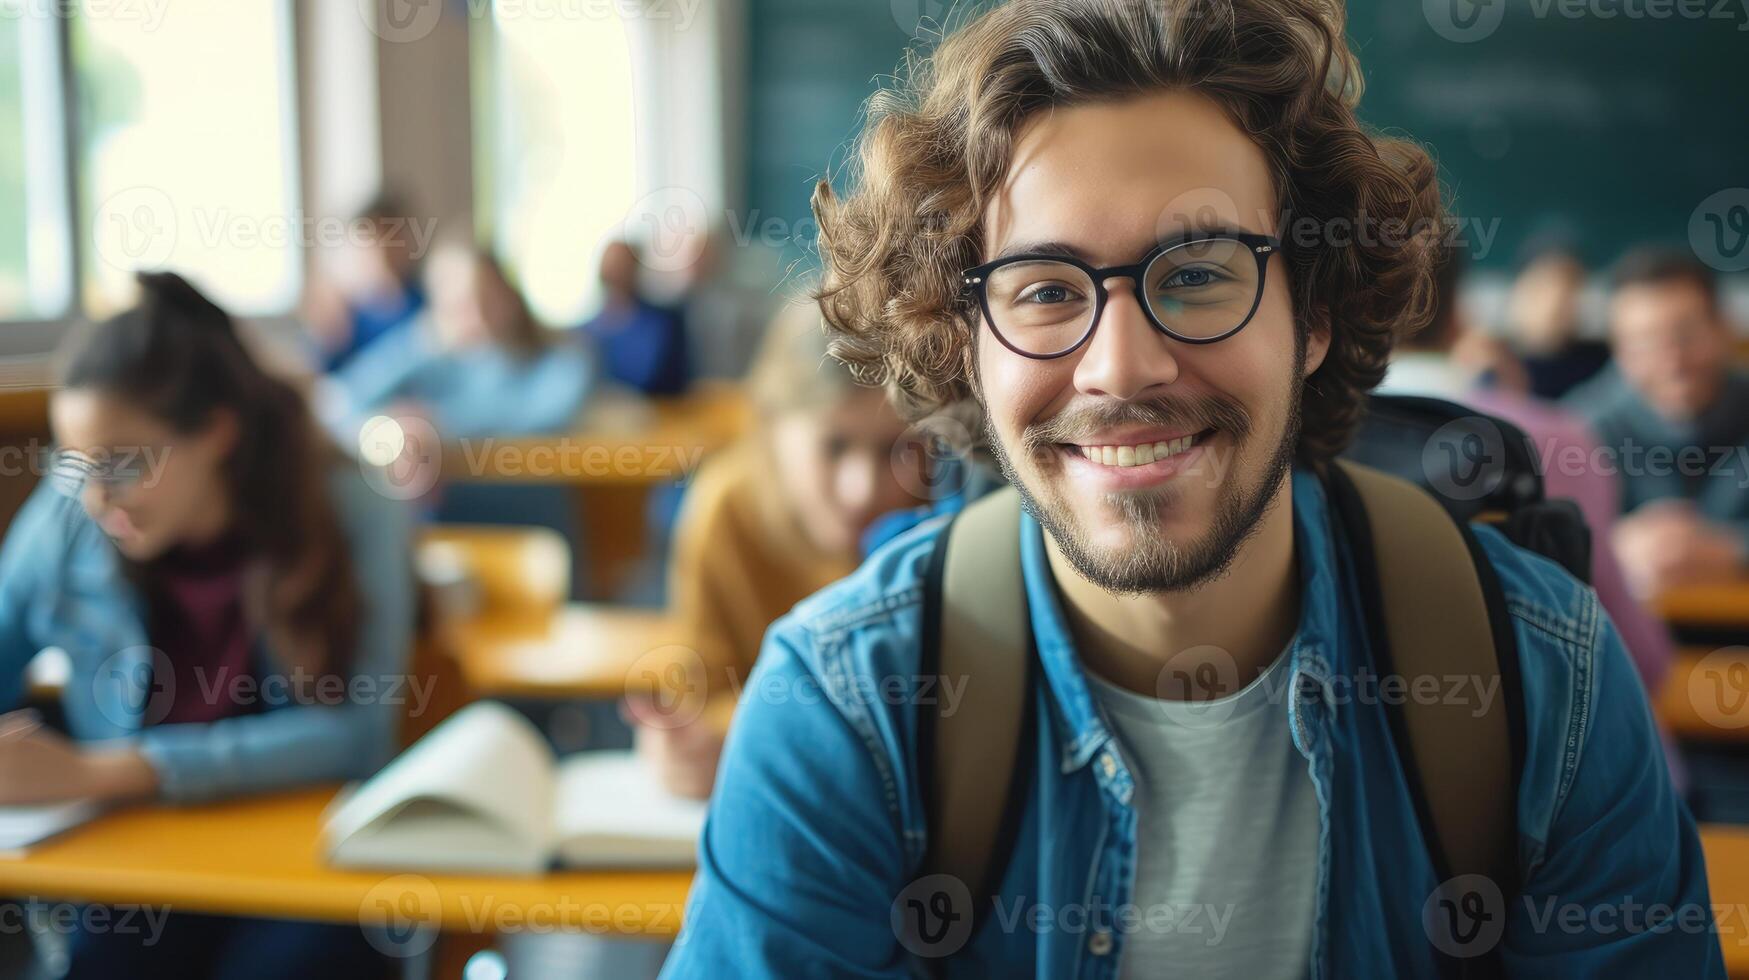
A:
(1059, 249)
(1054, 249)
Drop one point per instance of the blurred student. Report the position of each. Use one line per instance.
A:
(477, 363)
(772, 520)
(642, 344)
(378, 294)
(1422, 364)
(724, 316)
(1675, 417)
(1544, 324)
(225, 569)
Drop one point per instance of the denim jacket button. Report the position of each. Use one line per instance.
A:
(1100, 943)
(1108, 764)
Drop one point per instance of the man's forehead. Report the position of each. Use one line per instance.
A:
(1112, 178)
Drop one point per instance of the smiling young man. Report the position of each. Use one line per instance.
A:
(1070, 218)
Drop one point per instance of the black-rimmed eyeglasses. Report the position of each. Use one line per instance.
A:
(1197, 290)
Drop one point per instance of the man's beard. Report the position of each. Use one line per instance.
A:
(1151, 562)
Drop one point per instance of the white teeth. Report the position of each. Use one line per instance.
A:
(1126, 456)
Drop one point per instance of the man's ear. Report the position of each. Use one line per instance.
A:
(1317, 340)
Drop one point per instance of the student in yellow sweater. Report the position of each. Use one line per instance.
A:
(771, 520)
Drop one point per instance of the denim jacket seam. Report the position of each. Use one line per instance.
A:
(831, 626)
(834, 668)
(1577, 636)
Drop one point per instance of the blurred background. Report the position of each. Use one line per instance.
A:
(234, 141)
(536, 260)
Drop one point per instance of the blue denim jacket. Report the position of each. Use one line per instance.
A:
(816, 826)
(62, 585)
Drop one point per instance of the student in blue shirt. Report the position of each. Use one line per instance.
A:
(643, 345)
(235, 601)
(1674, 418)
(477, 363)
(381, 294)
(1066, 217)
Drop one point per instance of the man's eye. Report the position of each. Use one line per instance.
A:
(1188, 277)
(1048, 294)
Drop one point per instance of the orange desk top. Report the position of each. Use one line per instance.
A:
(1706, 695)
(1719, 604)
(1727, 868)
(259, 856)
(578, 651)
(625, 443)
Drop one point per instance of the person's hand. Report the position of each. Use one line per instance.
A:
(684, 756)
(1668, 544)
(39, 766)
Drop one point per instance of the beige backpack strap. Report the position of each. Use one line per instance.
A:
(975, 617)
(1442, 617)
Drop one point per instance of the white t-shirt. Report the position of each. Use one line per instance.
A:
(1226, 836)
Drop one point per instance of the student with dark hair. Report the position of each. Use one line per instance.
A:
(1174, 763)
(215, 572)
(379, 294)
(1674, 417)
(1544, 321)
(642, 345)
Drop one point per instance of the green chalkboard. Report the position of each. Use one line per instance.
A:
(1607, 122)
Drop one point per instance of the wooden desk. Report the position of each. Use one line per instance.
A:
(259, 857)
(1727, 868)
(1723, 605)
(578, 651)
(626, 444)
(1706, 695)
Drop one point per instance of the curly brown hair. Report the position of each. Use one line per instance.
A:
(936, 146)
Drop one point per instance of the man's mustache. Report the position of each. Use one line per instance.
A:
(1078, 425)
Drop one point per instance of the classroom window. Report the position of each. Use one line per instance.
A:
(35, 261)
(555, 149)
(186, 148)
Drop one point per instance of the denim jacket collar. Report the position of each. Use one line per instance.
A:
(1081, 730)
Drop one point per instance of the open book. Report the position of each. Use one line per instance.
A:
(23, 826)
(483, 792)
